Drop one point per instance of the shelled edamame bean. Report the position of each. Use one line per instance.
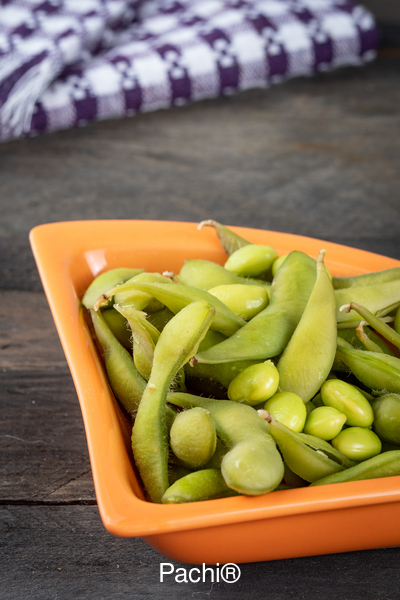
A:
(280, 347)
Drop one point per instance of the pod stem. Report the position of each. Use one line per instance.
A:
(375, 322)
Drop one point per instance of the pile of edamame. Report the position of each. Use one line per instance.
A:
(264, 374)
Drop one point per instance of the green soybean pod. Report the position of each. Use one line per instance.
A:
(348, 400)
(386, 464)
(206, 484)
(324, 422)
(357, 443)
(193, 437)
(277, 263)
(397, 321)
(387, 418)
(308, 357)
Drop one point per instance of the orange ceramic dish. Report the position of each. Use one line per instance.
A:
(282, 524)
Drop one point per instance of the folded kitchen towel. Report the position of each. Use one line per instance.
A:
(65, 63)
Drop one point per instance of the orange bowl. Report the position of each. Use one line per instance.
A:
(283, 524)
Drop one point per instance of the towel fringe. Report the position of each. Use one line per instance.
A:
(16, 113)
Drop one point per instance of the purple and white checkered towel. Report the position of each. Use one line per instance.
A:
(68, 62)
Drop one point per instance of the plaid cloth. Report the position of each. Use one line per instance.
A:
(65, 63)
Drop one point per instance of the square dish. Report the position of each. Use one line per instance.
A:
(283, 524)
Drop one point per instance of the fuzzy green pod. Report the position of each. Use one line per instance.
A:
(252, 464)
(309, 457)
(387, 418)
(177, 343)
(307, 359)
(386, 464)
(267, 334)
(207, 484)
(105, 281)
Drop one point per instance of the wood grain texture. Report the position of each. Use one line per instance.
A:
(64, 553)
(42, 440)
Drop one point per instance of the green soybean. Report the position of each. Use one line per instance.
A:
(251, 261)
(348, 400)
(246, 301)
(324, 422)
(357, 443)
(193, 437)
(254, 384)
(289, 409)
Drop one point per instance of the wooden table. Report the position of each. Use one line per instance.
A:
(317, 157)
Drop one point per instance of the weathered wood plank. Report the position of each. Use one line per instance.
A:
(28, 337)
(60, 553)
(42, 440)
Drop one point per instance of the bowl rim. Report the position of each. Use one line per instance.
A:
(67, 255)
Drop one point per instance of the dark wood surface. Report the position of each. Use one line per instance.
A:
(317, 157)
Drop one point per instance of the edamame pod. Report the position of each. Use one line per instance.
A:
(309, 457)
(388, 333)
(382, 465)
(267, 334)
(145, 337)
(387, 418)
(105, 281)
(309, 355)
(176, 297)
(366, 279)
(207, 484)
(230, 241)
(119, 326)
(205, 274)
(125, 380)
(176, 345)
(377, 371)
(374, 297)
(252, 465)
(350, 335)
